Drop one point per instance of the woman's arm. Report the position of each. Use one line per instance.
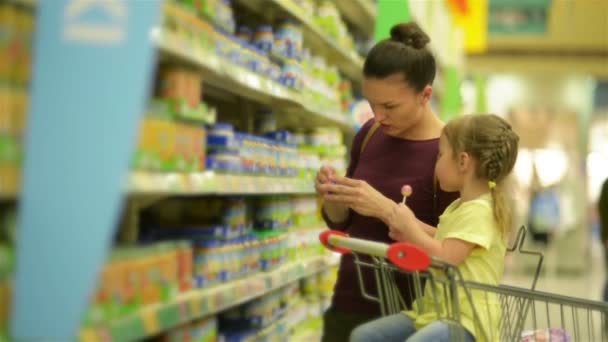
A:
(335, 213)
(359, 196)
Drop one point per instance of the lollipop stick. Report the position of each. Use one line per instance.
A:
(406, 191)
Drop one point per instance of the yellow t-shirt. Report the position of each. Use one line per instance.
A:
(472, 221)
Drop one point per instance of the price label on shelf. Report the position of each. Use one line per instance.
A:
(233, 183)
(282, 93)
(258, 184)
(150, 321)
(285, 185)
(196, 308)
(233, 72)
(250, 185)
(212, 61)
(185, 311)
(88, 335)
(253, 80)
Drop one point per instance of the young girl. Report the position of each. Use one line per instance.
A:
(476, 153)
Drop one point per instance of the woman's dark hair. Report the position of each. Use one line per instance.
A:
(404, 52)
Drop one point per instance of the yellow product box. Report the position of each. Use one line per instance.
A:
(8, 28)
(190, 147)
(10, 179)
(157, 145)
(13, 110)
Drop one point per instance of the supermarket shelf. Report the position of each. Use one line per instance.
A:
(348, 62)
(234, 79)
(9, 182)
(360, 13)
(208, 182)
(8, 196)
(197, 304)
(28, 3)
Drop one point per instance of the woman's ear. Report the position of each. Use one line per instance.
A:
(427, 92)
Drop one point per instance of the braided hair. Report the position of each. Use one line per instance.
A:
(490, 140)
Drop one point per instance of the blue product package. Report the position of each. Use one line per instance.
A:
(244, 34)
(194, 233)
(264, 38)
(282, 135)
(221, 142)
(236, 55)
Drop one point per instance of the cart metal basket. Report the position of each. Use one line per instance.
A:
(525, 314)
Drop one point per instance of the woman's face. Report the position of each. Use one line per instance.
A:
(396, 106)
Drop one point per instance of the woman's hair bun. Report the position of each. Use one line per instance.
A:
(410, 34)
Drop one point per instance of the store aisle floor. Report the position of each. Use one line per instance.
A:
(587, 285)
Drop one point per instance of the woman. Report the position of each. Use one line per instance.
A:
(399, 146)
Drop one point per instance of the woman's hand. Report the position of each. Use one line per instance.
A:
(401, 222)
(324, 176)
(359, 196)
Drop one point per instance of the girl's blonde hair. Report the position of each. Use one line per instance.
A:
(490, 140)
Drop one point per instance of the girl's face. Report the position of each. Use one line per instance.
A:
(396, 106)
(447, 168)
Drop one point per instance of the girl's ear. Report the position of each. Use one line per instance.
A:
(464, 161)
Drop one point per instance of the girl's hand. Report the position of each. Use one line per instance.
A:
(396, 235)
(401, 222)
(359, 196)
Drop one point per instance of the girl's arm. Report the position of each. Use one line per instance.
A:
(404, 226)
(428, 229)
(453, 251)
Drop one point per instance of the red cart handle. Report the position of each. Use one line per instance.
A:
(408, 257)
(324, 238)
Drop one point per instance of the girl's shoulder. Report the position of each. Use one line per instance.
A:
(480, 208)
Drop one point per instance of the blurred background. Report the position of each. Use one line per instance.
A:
(157, 157)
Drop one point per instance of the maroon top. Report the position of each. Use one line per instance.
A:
(387, 163)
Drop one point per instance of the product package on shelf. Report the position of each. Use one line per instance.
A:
(261, 319)
(232, 237)
(306, 211)
(234, 152)
(204, 330)
(139, 276)
(273, 213)
(277, 316)
(275, 53)
(323, 146)
(182, 89)
(304, 244)
(329, 20)
(165, 145)
(224, 248)
(199, 219)
(7, 261)
(321, 83)
(16, 29)
(172, 135)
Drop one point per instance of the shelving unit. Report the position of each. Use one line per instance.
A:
(360, 13)
(247, 92)
(239, 81)
(197, 304)
(210, 183)
(349, 62)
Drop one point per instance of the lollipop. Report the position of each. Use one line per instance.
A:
(406, 191)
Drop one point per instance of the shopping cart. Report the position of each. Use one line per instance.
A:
(525, 314)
